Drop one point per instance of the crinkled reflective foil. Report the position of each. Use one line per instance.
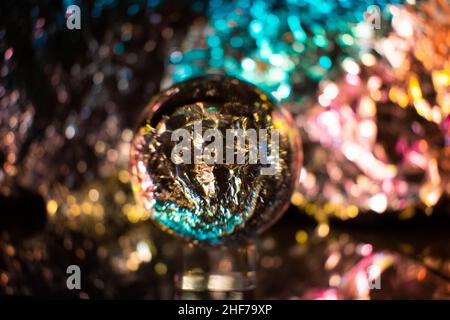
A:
(377, 139)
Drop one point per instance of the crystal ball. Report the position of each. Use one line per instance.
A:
(215, 159)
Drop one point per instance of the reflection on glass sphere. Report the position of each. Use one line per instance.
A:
(214, 158)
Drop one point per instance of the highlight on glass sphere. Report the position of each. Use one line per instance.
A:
(215, 159)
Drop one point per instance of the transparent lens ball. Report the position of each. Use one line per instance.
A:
(215, 159)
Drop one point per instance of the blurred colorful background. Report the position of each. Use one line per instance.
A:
(367, 82)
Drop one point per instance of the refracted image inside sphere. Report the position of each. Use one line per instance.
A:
(215, 159)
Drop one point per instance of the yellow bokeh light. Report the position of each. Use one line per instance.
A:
(160, 268)
(323, 230)
(301, 236)
(52, 207)
(414, 88)
(93, 195)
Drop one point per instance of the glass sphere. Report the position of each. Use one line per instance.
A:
(215, 159)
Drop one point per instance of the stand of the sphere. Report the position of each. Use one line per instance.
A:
(225, 271)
